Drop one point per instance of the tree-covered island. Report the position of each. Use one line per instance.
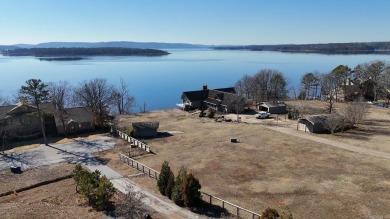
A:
(82, 52)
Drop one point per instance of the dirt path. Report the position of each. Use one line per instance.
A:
(293, 132)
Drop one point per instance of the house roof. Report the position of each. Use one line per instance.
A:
(273, 104)
(47, 107)
(79, 114)
(318, 119)
(145, 125)
(227, 90)
(200, 95)
(213, 101)
(229, 98)
(5, 109)
(217, 97)
(195, 95)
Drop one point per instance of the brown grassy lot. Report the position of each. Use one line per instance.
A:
(11, 182)
(269, 169)
(55, 200)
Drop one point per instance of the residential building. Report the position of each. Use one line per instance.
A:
(222, 99)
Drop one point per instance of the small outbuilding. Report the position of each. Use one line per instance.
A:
(314, 124)
(145, 129)
(276, 107)
(318, 124)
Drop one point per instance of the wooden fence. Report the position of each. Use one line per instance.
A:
(134, 141)
(139, 166)
(230, 207)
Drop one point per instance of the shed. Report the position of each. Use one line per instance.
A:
(145, 129)
(276, 107)
(316, 124)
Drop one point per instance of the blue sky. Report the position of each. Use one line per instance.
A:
(197, 21)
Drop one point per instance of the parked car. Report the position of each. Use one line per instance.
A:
(262, 115)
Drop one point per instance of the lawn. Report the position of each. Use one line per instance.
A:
(267, 168)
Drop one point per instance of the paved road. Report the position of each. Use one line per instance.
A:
(80, 152)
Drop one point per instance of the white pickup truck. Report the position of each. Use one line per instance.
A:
(262, 115)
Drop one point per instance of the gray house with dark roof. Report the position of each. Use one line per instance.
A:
(77, 119)
(21, 121)
(221, 99)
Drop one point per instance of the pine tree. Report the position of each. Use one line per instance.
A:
(170, 185)
(191, 193)
(103, 193)
(36, 92)
(163, 178)
(177, 193)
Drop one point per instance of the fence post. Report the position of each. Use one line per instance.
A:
(143, 168)
(238, 212)
(149, 173)
(223, 204)
(210, 199)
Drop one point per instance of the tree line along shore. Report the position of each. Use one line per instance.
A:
(327, 48)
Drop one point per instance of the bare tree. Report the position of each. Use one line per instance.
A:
(354, 112)
(5, 100)
(267, 85)
(238, 105)
(385, 85)
(129, 205)
(334, 122)
(302, 108)
(329, 88)
(60, 96)
(98, 95)
(124, 101)
(243, 86)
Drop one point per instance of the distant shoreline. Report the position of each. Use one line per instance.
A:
(64, 54)
(360, 52)
(327, 49)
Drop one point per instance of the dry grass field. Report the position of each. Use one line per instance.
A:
(55, 200)
(268, 168)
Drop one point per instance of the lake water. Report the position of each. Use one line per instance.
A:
(159, 81)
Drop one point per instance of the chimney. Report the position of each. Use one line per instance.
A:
(204, 87)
